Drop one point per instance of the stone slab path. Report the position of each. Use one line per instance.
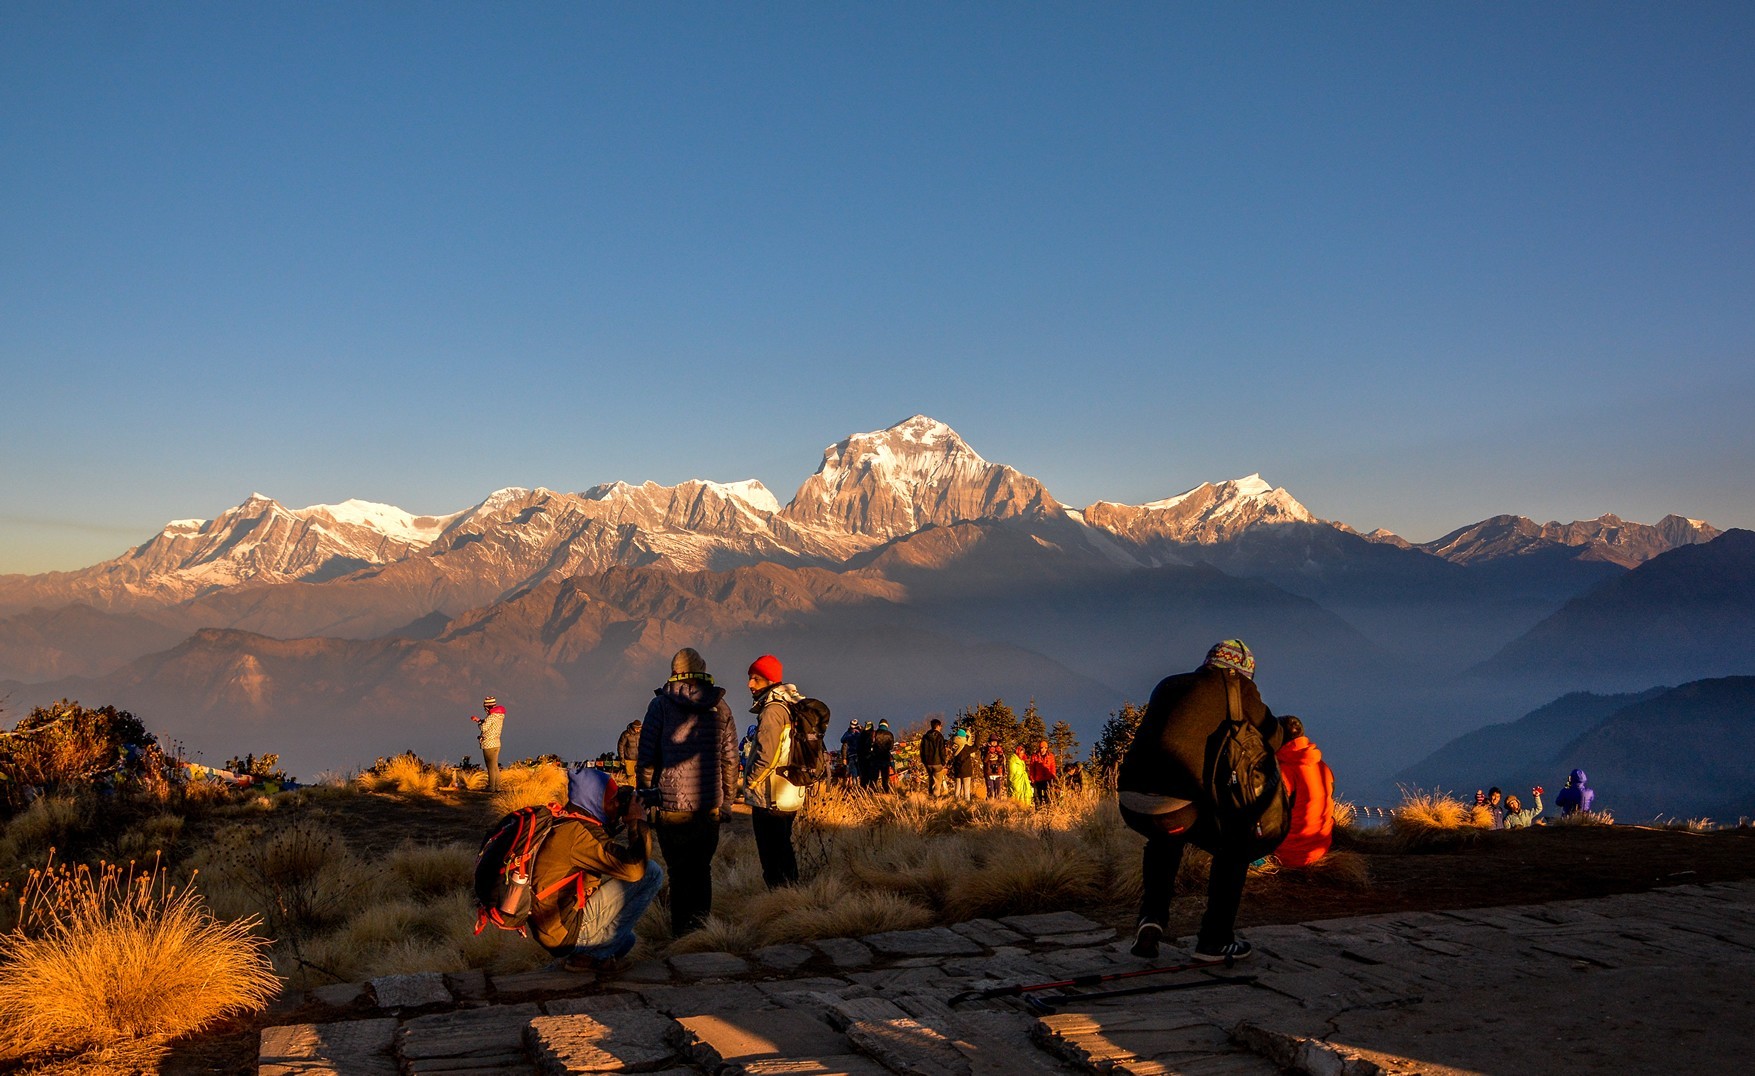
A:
(1656, 981)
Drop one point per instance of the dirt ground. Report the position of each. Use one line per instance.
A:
(1516, 867)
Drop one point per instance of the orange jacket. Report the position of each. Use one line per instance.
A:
(1313, 803)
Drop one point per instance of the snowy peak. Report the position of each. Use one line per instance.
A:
(1607, 538)
(872, 487)
(1210, 512)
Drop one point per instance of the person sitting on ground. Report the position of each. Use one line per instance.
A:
(1516, 817)
(1040, 765)
(1313, 798)
(1017, 776)
(688, 764)
(1576, 797)
(1162, 787)
(590, 887)
(965, 765)
(1495, 806)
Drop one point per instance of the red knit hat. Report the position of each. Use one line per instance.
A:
(768, 668)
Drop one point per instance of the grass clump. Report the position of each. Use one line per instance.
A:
(103, 959)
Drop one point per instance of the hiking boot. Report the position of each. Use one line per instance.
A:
(1145, 941)
(1228, 954)
(581, 964)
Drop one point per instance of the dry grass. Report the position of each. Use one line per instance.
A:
(107, 958)
(430, 870)
(403, 773)
(1583, 818)
(527, 786)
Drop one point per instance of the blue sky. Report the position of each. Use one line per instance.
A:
(1418, 263)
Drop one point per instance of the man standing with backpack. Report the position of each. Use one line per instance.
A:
(1201, 769)
(687, 763)
(883, 757)
(774, 800)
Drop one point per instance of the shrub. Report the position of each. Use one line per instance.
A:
(1584, 818)
(66, 743)
(105, 957)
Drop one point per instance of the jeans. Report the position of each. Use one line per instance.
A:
(606, 925)
(1163, 858)
(490, 759)
(773, 831)
(688, 840)
(995, 788)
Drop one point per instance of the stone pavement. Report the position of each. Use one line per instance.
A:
(1631, 983)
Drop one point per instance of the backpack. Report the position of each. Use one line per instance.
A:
(1252, 806)
(810, 724)
(503, 867)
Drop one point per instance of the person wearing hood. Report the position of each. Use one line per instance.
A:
(1017, 777)
(488, 736)
(1576, 797)
(594, 876)
(774, 800)
(1313, 798)
(965, 765)
(1162, 789)
(687, 763)
(993, 768)
(627, 748)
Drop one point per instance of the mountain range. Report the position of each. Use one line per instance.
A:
(907, 575)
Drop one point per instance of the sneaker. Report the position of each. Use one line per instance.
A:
(1145, 942)
(1227, 954)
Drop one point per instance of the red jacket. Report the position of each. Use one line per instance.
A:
(1313, 803)
(1041, 766)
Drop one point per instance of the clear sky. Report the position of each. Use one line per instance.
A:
(1419, 263)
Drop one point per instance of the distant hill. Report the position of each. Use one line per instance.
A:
(1686, 614)
(1678, 752)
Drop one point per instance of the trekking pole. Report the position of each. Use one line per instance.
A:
(1084, 980)
(1053, 1004)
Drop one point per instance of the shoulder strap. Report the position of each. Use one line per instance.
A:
(1233, 698)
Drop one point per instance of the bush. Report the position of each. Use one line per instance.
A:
(66, 744)
(101, 958)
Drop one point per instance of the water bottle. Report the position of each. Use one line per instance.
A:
(518, 885)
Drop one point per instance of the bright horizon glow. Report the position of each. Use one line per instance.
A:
(1418, 265)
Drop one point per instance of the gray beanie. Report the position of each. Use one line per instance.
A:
(687, 660)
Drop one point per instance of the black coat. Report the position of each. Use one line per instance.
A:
(932, 748)
(1168, 756)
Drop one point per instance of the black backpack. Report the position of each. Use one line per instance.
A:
(503, 893)
(810, 724)
(1252, 807)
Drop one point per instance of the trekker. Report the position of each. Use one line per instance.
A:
(934, 756)
(850, 748)
(867, 767)
(774, 801)
(1162, 786)
(964, 765)
(1040, 765)
(591, 888)
(488, 736)
(1576, 797)
(1017, 777)
(688, 764)
(1495, 806)
(1517, 817)
(993, 768)
(1313, 798)
(627, 748)
(883, 757)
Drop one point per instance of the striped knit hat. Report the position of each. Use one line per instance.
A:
(489, 703)
(1232, 654)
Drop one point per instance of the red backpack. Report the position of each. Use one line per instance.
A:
(503, 867)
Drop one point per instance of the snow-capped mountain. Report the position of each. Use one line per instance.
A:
(874, 487)
(1206, 514)
(1606, 538)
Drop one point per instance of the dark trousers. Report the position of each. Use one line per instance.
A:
(688, 840)
(1163, 858)
(773, 831)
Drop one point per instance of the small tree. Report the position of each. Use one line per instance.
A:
(1115, 739)
(1063, 743)
(1032, 728)
(994, 720)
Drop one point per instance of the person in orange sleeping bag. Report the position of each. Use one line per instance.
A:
(1313, 798)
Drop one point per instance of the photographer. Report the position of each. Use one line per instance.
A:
(594, 876)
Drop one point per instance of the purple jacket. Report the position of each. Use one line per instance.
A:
(688, 747)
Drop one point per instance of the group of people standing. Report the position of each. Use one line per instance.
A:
(950, 766)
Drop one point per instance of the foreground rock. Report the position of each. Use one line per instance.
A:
(1639, 982)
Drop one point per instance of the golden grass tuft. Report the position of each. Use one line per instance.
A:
(1583, 818)
(527, 786)
(430, 870)
(403, 773)
(104, 958)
